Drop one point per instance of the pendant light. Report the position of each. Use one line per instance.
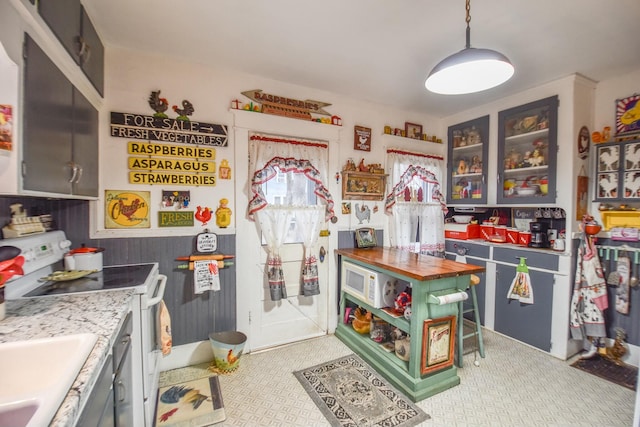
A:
(470, 70)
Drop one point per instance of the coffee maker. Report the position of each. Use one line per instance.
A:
(539, 237)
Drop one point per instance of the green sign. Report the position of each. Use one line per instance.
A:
(175, 219)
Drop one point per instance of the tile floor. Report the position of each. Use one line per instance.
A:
(515, 385)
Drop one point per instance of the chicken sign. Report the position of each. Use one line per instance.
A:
(127, 209)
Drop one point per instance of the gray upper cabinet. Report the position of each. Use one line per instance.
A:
(68, 20)
(60, 135)
(63, 18)
(527, 152)
(91, 53)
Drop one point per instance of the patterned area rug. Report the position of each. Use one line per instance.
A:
(194, 403)
(625, 375)
(350, 393)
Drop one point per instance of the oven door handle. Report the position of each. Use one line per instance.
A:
(160, 294)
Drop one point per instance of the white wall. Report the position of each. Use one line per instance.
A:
(131, 76)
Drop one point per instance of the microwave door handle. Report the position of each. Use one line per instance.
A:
(160, 294)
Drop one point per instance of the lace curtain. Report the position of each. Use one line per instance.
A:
(270, 155)
(415, 203)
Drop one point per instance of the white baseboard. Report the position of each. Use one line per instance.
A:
(187, 355)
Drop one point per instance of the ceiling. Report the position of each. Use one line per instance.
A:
(381, 50)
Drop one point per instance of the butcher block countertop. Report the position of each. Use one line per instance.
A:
(415, 266)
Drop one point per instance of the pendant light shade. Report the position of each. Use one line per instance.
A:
(470, 70)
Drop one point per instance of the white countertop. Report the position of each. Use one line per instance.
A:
(100, 313)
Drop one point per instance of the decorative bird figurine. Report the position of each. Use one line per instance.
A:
(186, 110)
(363, 213)
(362, 321)
(203, 214)
(159, 105)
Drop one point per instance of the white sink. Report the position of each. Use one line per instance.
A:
(36, 375)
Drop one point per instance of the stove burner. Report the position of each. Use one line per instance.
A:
(109, 278)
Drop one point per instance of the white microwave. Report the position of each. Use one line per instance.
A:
(366, 285)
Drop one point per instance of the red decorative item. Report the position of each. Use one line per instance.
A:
(402, 302)
(203, 214)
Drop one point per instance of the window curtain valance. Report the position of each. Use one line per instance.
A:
(403, 183)
(415, 204)
(270, 155)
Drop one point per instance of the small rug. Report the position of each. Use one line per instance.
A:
(625, 375)
(350, 393)
(194, 403)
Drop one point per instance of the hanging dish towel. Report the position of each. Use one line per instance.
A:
(622, 292)
(165, 328)
(589, 300)
(205, 276)
(521, 288)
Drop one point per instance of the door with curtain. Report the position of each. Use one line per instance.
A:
(290, 205)
(295, 317)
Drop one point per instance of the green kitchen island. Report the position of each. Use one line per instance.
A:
(431, 326)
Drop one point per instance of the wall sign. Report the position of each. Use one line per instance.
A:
(628, 115)
(138, 126)
(584, 138)
(126, 209)
(161, 170)
(175, 219)
(362, 138)
(311, 106)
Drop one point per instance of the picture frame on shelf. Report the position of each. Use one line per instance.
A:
(366, 238)
(413, 130)
(438, 339)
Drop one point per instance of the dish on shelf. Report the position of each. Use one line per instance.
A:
(526, 191)
(462, 219)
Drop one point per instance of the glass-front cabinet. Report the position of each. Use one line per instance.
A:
(527, 152)
(467, 164)
(618, 172)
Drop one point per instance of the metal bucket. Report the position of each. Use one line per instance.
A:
(227, 348)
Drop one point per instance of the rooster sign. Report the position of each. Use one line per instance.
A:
(127, 209)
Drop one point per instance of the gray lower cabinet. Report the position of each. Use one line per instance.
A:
(123, 376)
(475, 254)
(60, 132)
(110, 403)
(98, 411)
(529, 323)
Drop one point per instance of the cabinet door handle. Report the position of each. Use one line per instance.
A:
(84, 50)
(74, 169)
(80, 170)
(122, 391)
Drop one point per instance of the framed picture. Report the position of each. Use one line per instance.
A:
(413, 130)
(363, 185)
(628, 115)
(366, 238)
(361, 138)
(438, 339)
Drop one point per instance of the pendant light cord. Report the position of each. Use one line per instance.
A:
(468, 20)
